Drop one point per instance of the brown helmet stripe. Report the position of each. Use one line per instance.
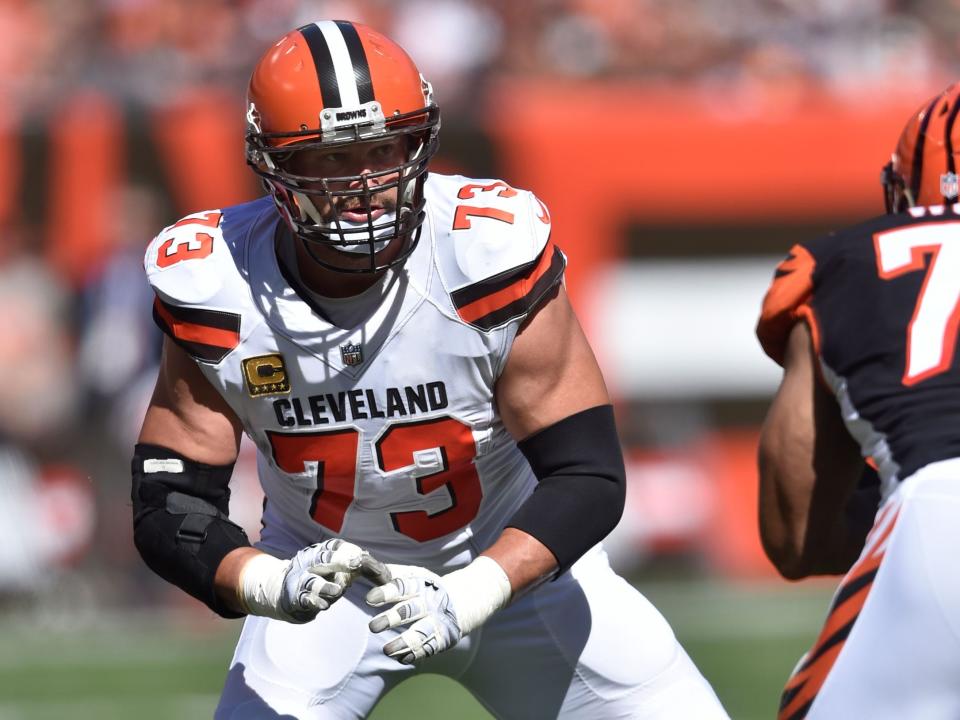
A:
(358, 58)
(917, 171)
(323, 62)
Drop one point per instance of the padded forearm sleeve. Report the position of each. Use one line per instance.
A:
(180, 523)
(582, 488)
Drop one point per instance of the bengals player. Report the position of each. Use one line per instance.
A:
(435, 441)
(864, 322)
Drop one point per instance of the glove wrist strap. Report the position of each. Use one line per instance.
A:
(477, 591)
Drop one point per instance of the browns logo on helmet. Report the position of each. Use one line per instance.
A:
(923, 168)
(339, 84)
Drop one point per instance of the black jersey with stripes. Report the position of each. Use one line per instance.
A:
(883, 303)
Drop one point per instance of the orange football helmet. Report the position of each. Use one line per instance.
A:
(332, 84)
(923, 168)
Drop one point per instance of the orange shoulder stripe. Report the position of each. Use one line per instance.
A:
(515, 290)
(786, 302)
(206, 334)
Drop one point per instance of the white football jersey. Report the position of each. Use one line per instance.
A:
(384, 433)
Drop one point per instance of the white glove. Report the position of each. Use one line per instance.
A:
(439, 609)
(296, 590)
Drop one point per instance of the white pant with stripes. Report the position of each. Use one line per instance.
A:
(890, 649)
(586, 646)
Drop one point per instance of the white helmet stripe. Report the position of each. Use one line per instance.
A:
(342, 65)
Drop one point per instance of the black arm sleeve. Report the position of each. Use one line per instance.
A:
(180, 524)
(582, 488)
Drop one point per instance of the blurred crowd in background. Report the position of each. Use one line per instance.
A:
(78, 350)
(149, 51)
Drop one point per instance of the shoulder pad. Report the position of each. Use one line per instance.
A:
(183, 262)
(187, 266)
(494, 249)
(786, 301)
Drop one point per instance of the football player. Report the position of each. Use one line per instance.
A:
(436, 444)
(864, 322)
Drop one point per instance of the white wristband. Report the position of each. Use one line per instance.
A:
(261, 581)
(477, 591)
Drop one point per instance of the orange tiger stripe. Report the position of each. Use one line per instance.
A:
(503, 297)
(874, 540)
(808, 680)
(810, 690)
(191, 332)
(838, 617)
(929, 146)
(884, 511)
(848, 610)
(786, 301)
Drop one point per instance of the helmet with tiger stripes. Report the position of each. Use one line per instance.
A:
(923, 168)
(329, 86)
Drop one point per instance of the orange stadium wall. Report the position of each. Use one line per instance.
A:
(599, 154)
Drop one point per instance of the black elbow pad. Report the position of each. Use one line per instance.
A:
(180, 523)
(582, 488)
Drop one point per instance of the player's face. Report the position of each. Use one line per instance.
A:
(368, 160)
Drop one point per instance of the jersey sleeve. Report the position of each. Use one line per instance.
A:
(503, 262)
(185, 267)
(787, 301)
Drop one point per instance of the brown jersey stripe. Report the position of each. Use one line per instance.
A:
(207, 335)
(466, 295)
(519, 298)
(488, 295)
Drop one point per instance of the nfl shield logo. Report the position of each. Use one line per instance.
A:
(351, 354)
(949, 185)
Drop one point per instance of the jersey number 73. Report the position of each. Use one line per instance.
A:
(448, 442)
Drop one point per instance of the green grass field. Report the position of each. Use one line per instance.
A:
(745, 639)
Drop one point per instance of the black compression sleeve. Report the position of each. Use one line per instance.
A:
(180, 522)
(582, 488)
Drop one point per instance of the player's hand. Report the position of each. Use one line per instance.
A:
(423, 603)
(439, 609)
(296, 590)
